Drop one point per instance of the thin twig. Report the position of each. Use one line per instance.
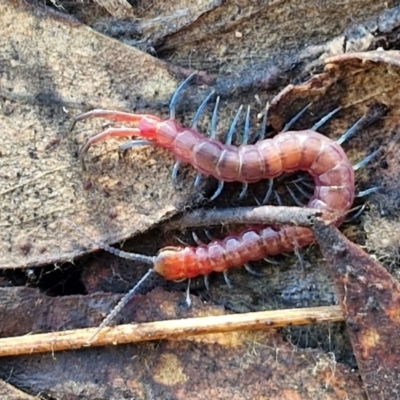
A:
(176, 329)
(268, 215)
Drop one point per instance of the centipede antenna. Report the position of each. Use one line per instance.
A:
(200, 110)
(119, 253)
(207, 282)
(246, 132)
(243, 192)
(296, 118)
(227, 279)
(229, 136)
(218, 191)
(175, 96)
(351, 130)
(269, 191)
(188, 299)
(214, 120)
(252, 271)
(174, 173)
(120, 305)
(365, 161)
(325, 119)
(271, 261)
(367, 192)
(134, 143)
(356, 215)
(294, 197)
(196, 239)
(278, 198)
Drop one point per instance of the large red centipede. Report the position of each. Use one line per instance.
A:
(306, 150)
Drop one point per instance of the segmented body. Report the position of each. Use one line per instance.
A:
(307, 150)
(291, 151)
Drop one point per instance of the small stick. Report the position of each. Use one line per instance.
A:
(265, 215)
(172, 329)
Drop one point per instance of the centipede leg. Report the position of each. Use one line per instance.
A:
(134, 143)
(196, 239)
(294, 197)
(251, 271)
(325, 119)
(206, 279)
(232, 128)
(245, 140)
(197, 181)
(246, 133)
(208, 234)
(263, 130)
(365, 161)
(278, 198)
(174, 173)
(271, 261)
(175, 96)
(227, 279)
(269, 192)
(187, 297)
(367, 192)
(243, 192)
(302, 191)
(354, 128)
(218, 191)
(296, 118)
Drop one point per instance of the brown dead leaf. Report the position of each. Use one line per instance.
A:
(49, 80)
(370, 300)
(9, 392)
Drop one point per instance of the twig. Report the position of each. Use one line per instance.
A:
(176, 329)
(268, 215)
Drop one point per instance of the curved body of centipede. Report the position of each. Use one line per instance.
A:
(307, 150)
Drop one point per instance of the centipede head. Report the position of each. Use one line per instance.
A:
(176, 263)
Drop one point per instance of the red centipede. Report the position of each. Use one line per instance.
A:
(307, 150)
